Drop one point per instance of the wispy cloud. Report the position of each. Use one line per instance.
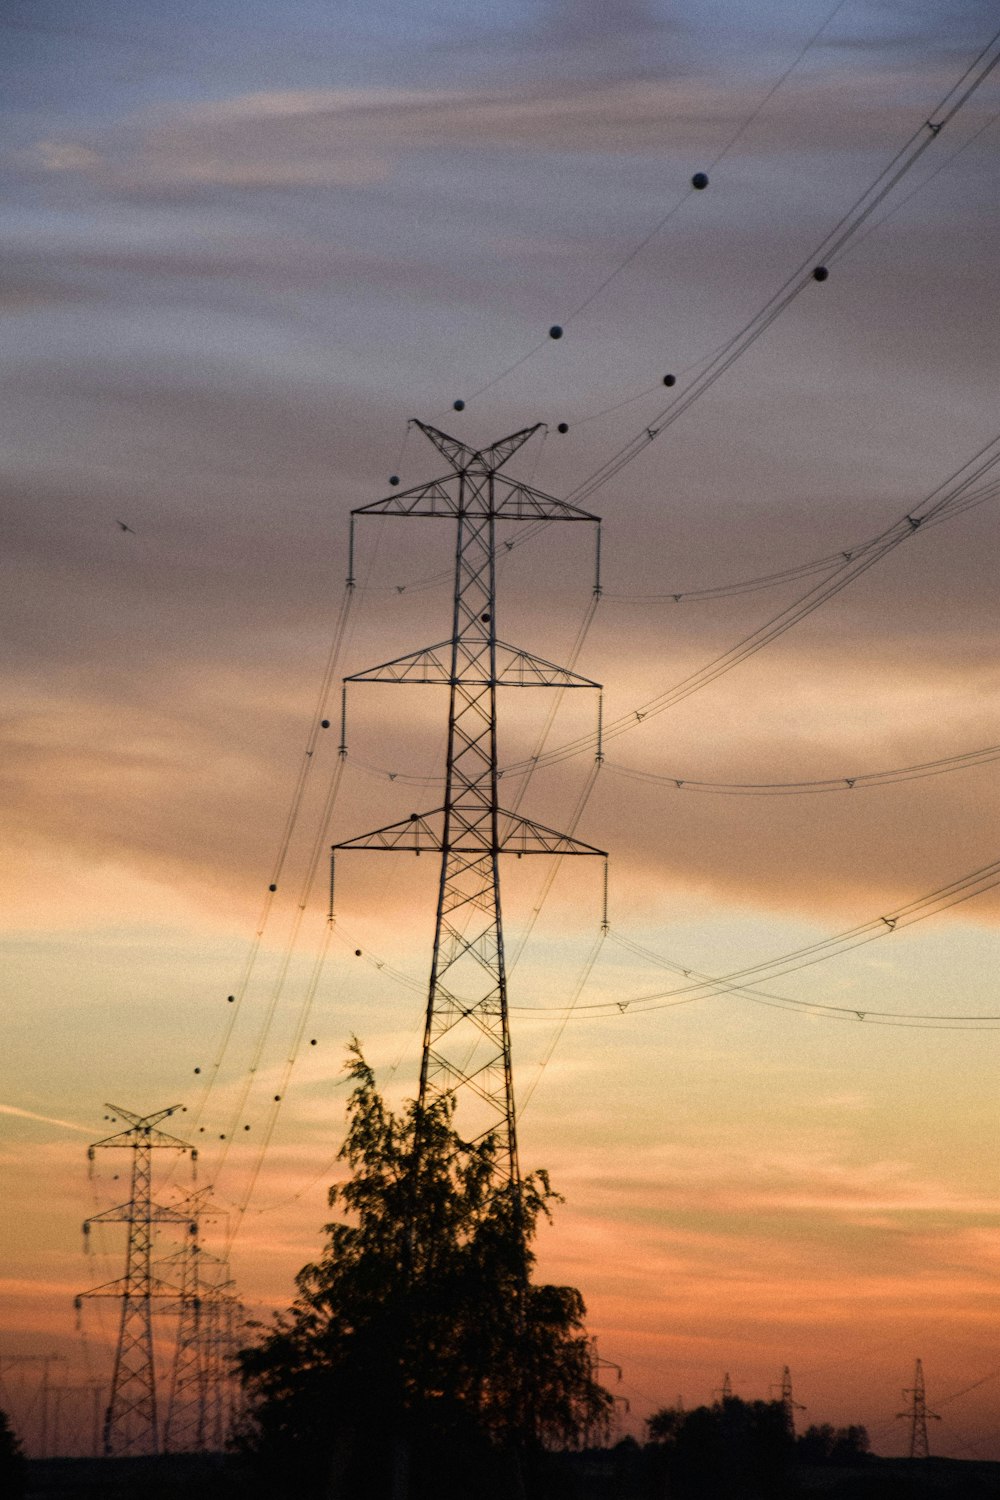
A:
(27, 1114)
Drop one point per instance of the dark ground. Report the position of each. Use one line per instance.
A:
(598, 1475)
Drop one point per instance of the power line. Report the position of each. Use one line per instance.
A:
(693, 187)
(826, 564)
(707, 986)
(913, 1020)
(963, 761)
(938, 503)
(813, 267)
(859, 780)
(976, 883)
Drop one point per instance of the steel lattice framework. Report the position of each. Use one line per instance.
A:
(466, 1041)
(918, 1414)
(131, 1422)
(200, 1277)
(184, 1428)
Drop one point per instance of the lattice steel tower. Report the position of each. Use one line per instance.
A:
(789, 1405)
(918, 1414)
(466, 1043)
(130, 1422)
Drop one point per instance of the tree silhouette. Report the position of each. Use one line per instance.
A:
(12, 1465)
(419, 1330)
(826, 1444)
(732, 1450)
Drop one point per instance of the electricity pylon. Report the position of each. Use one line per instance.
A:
(184, 1427)
(224, 1314)
(466, 1044)
(788, 1403)
(918, 1414)
(130, 1422)
(199, 1405)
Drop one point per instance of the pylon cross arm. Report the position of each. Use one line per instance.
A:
(141, 1131)
(426, 666)
(424, 500)
(514, 668)
(125, 1213)
(513, 501)
(519, 836)
(522, 836)
(122, 1287)
(413, 834)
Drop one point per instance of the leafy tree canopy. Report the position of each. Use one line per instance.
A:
(826, 1444)
(732, 1450)
(419, 1326)
(12, 1465)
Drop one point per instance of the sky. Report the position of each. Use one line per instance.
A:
(242, 246)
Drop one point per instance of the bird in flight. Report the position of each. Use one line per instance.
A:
(125, 528)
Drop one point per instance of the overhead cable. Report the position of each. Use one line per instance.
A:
(812, 268)
(976, 883)
(937, 503)
(923, 769)
(674, 208)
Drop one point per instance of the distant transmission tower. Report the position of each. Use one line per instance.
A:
(466, 1041)
(130, 1422)
(918, 1414)
(224, 1317)
(184, 1427)
(788, 1403)
(200, 1405)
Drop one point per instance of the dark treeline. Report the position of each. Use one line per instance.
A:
(625, 1471)
(742, 1455)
